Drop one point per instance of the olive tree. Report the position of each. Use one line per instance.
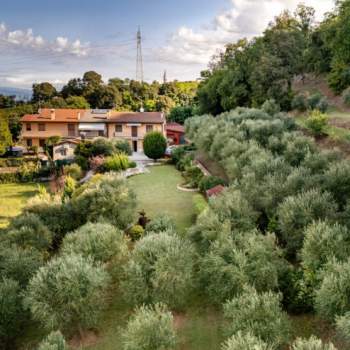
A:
(101, 241)
(160, 269)
(311, 344)
(245, 341)
(150, 327)
(343, 326)
(260, 314)
(54, 341)
(332, 297)
(67, 293)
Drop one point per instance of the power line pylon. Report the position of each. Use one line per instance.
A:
(165, 79)
(139, 60)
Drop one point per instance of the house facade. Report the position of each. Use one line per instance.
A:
(71, 124)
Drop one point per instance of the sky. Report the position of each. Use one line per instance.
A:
(47, 40)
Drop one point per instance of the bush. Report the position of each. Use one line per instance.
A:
(332, 297)
(317, 101)
(102, 147)
(18, 264)
(73, 170)
(11, 312)
(28, 231)
(67, 293)
(343, 326)
(311, 344)
(346, 97)
(161, 223)
(300, 103)
(199, 204)
(295, 213)
(317, 123)
(69, 187)
(231, 264)
(160, 269)
(193, 176)
(209, 182)
(271, 107)
(245, 341)
(123, 146)
(154, 145)
(259, 314)
(136, 232)
(101, 241)
(177, 154)
(117, 162)
(132, 165)
(54, 341)
(82, 162)
(151, 327)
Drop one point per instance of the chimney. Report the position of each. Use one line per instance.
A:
(52, 114)
(79, 116)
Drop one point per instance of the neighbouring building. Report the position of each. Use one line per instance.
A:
(175, 133)
(64, 150)
(72, 124)
(215, 191)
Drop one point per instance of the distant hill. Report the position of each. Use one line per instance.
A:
(21, 94)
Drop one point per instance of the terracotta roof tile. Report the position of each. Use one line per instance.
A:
(54, 115)
(215, 191)
(136, 117)
(175, 127)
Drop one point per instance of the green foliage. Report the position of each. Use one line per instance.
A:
(150, 327)
(311, 344)
(179, 114)
(73, 170)
(200, 204)
(54, 341)
(317, 102)
(101, 241)
(297, 212)
(5, 135)
(209, 182)
(136, 232)
(77, 102)
(271, 107)
(259, 314)
(346, 97)
(123, 146)
(154, 145)
(102, 146)
(117, 162)
(317, 123)
(161, 223)
(11, 311)
(343, 326)
(67, 293)
(43, 92)
(177, 154)
(160, 269)
(300, 103)
(245, 341)
(70, 185)
(193, 176)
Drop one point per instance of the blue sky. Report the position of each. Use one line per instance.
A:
(45, 40)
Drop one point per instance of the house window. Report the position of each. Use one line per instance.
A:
(63, 152)
(29, 142)
(41, 127)
(42, 142)
(71, 129)
(28, 126)
(149, 128)
(119, 128)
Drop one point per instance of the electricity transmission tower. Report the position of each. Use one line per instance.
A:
(139, 60)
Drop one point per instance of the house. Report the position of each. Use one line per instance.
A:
(175, 133)
(88, 124)
(64, 150)
(215, 191)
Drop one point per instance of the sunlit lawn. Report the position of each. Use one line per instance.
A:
(13, 197)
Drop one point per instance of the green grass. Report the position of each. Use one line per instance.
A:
(157, 193)
(13, 197)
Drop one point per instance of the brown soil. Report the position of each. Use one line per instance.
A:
(89, 338)
(179, 320)
(340, 123)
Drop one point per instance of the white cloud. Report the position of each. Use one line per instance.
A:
(245, 18)
(26, 39)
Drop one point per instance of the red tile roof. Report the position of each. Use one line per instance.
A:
(136, 117)
(55, 115)
(175, 127)
(215, 191)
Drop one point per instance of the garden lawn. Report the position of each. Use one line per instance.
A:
(13, 197)
(157, 193)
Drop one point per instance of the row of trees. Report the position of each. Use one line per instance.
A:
(250, 72)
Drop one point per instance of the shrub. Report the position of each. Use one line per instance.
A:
(69, 187)
(317, 123)
(54, 341)
(160, 269)
(11, 312)
(245, 341)
(311, 344)
(199, 204)
(67, 293)
(136, 232)
(123, 146)
(177, 154)
(295, 213)
(154, 145)
(100, 241)
(231, 264)
(117, 162)
(300, 103)
(317, 101)
(28, 231)
(102, 146)
(161, 223)
(343, 326)
(209, 182)
(82, 162)
(346, 97)
(73, 170)
(132, 164)
(259, 314)
(96, 163)
(193, 176)
(19, 264)
(271, 107)
(151, 327)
